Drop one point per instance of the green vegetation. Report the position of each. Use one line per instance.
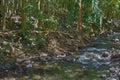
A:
(76, 17)
(43, 28)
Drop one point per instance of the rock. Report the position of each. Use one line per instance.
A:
(115, 55)
(114, 74)
(45, 59)
(116, 40)
(112, 70)
(69, 59)
(105, 54)
(43, 54)
(111, 79)
(103, 76)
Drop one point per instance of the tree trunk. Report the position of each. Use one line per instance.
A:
(4, 14)
(41, 8)
(23, 16)
(79, 25)
(79, 20)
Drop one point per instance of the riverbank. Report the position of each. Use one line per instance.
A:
(19, 59)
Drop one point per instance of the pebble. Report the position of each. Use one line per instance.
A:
(114, 74)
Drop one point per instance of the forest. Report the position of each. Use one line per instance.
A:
(59, 39)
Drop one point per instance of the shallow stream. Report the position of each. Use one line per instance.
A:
(92, 62)
(99, 60)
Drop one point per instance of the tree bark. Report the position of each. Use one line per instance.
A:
(4, 14)
(79, 20)
(23, 16)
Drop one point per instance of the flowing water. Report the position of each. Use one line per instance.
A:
(93, 62)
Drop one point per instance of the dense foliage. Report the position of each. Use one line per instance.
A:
(76, 17)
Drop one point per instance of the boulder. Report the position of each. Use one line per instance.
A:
(115, 56)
